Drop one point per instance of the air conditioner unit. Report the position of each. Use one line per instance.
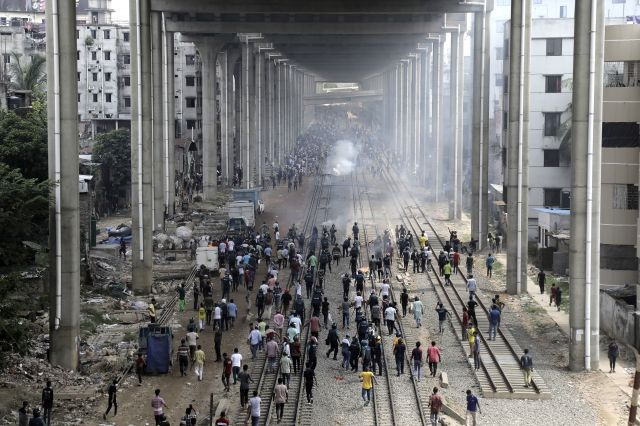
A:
(108, 115)
(91, 109)
(92, 88)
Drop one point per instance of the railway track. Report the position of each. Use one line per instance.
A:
(294, 411)
(389, 405)
(500, 375)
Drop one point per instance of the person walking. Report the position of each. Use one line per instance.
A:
(404, 301)
(113, 402)
(489, 263)
(236, 364)
(285, 369)
(473, 408)
(435, 405)
(443, 313)
(346, 353)
(472, 286)
(417, 309)
(296, 354)
(254, 409)
(390, 316)
(612, 353)
(416, 357)
(476, 354)
(309, 381)
(36, 420)
(245, 378)
(552, 293)
(280, 397)
(542, 278)
(227, 370)
(222, 420)
(158, 405)
(255, 340)
(182, 303)
(494, 321)
(526, 364)
(558, 298)
(471, 335)
(399, 350)
(140, 365)
(198, 364)
(217, 343)
(23, 414)
(469, 263)
(47, 403)
(368, 379)
(333, 340)
(434, 357)
(446, 270)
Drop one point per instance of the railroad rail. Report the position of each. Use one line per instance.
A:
(388, 404)
(500, 375)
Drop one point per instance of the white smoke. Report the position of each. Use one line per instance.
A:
(342, 159)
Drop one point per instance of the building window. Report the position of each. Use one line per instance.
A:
(126, 59)
(107, 55)
(94, 76)
(625, 197)
(127, 80)
(95, 97)
(78, 97)
(563, 11)
(78, 55)
(551, 123)
(552, 197)
(499, 54)
(554, 47)
(552, 83)
(107, 76)
(107, 34)
(190, 59)
(107, 97)
(191, 102)
(125, 36)
(505, 49)
(500, 26)
(94, 56)
(191, 124)
(551, 157)
(78, 76)
(127, 102)
(498, 80)
(505, 120)
(505, 88)
(190, 80)
(94, 34)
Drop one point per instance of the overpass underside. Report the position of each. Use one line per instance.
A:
(260, 64)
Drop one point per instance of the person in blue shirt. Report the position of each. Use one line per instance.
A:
(489, 263)
(473, 407)
(494, 321)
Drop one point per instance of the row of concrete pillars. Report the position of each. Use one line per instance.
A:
(251, 116)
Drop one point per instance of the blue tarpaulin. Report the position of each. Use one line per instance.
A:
(158, 353)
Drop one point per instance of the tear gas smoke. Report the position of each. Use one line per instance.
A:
(342, 159)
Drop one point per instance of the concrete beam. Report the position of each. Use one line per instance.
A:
(309, 28)
(332, 7)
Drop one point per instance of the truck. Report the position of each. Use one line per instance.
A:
(208, 256)
(241, 218)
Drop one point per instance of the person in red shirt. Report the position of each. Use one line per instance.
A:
(416, 356)
(222, 420)
(435, 404)
(456, 262)
(227, 368)
(465, 322)
(433, 357)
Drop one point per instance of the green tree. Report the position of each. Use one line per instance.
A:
(24, 214)
(31, 76)
(23, 142)
(113, 151)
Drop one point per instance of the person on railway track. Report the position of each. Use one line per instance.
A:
(406, 256)
(113, 394)
(494, 321)
(227, 370)
(353, 264)
(333, 340)
(183, 357)
(254, 409)
(272, 350)
(415, 257)
(471, 306)
(355, 230)
(416, 357)
(336, 253)
(223, 420)
(386, 262)
(476, 354)
(198, 363)
(345, 308)
(472, 286)
(158, 404)
(471, 336)
(418, 308)
(612, 353)
(404, 301)
(469, 263)
(309, 381)
(346, 285)
(443, 314)
(435, 406)
(280, 397)
(236, 364)
(434, 357)
(312, 352)
(526, 364)
(325, 312)
(354, 353)
(376, 351)
(399, 350)
(345, 350)
(446, 270)
(390, 315)
(254, 339)
(368, 379)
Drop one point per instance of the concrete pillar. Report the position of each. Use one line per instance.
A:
(415, 113)
(517, 186)
(209, 48)
(259, 101)
(64, 214)
(478, 211)
(269, 113)
(586, 131)
(403, 111)
(454, 152)
(397, 109)
(224, 117)
(245, 113)
(278, 138)
(425, 117)
(170, 111)
(408, 123)
(460, 125)
(231, 57)
(486, 79)
(141, 146)
(437, 102)
(157, 120)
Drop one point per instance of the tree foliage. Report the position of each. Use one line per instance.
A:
(24, 213)
(31, 76)
(23, 142)
(113, 151)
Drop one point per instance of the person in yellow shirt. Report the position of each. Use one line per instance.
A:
(471, 332)
(201, 316)
(198, 364)
(368, 379)
(151, 310)
(423, 240)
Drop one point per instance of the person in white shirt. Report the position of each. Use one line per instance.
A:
(357, 301)
(192, 341)
(472, 286)
(236, 364)
(254, 408)
(390, 316)
(384, 288)
(232, 245)
(296, 321)
(222, 247)
(217, 317)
